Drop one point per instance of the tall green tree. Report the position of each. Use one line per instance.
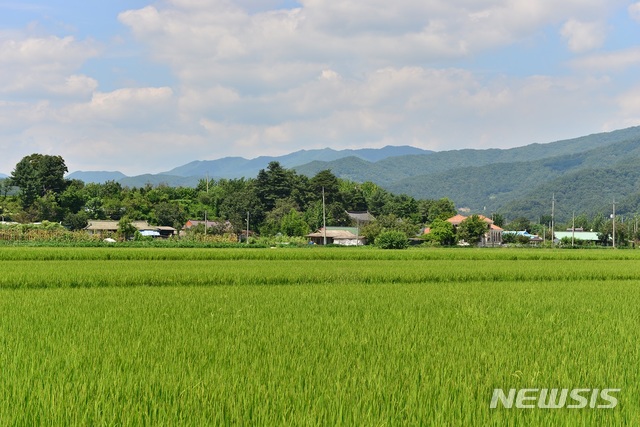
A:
(36, 175)
(472, 229)
(272, 184)
(442, 232)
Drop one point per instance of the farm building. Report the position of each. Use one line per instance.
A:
(534, 239)
(107, 228)
(220, 227)
(589, 236)
(346, 236)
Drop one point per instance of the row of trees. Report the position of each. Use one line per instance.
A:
(278, 200)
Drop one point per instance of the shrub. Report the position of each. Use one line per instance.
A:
(392, 240)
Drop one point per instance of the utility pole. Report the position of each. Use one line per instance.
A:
(553, 211)
(247, 227)
(573, 228)
(205, 212)
(613, 218)
(324, 221)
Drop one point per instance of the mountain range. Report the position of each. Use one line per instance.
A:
(239, 167)
(582, 175)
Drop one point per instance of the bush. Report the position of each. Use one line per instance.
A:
(392, 240)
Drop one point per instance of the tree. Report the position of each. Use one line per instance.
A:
(292, 224)
(36, 175)
(392, 240)
(442, 232)
(388, 223)
(520, 224)
(125, 228)
(171, 214)
(76, 221)
(430, 210)
(472, 229)
(327, 180)
(272, 184)
(498, 219)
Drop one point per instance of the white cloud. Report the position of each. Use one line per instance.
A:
(609, 61)
(125, 105)
(583, 36)
(634, 11)
(41, 66)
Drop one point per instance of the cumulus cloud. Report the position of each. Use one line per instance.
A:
(634, 11)
(583, 36)
(129, 105)
(609, 61)
(44, 65)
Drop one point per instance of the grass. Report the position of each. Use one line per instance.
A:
(112, 336)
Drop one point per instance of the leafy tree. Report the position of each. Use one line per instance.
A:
(402, 206)
(377, 200)
(46, 208)
(272, 184)
(125, 228)
(76, 221)
(430, 210)
(273, 221)
(472, 229)
(293, 224)
(327, 180)
(73, 198)
(520, 224)
(38, 174)
(392, 240)
(353, 196)
(389, 223)
(498, 219)
(170, 213)
(442, 232)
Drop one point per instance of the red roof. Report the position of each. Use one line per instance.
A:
(456, 220)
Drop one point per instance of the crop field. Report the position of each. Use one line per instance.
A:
(315, 336)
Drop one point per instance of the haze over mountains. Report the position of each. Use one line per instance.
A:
(583, 174)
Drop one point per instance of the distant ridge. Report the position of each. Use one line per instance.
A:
(189, 174)
(3, 176)
(238, 167)
(98, 177)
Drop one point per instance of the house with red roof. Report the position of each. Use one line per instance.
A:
(493, 236)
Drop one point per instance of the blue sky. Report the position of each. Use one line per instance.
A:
(145, 86)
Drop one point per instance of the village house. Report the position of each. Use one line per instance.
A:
(493, 236)
(345, 236)
(106, 228)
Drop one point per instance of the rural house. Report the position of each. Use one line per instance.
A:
(107, 228)
(346, 236)
(493, 236)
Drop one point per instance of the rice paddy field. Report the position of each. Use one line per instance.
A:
(314, 336)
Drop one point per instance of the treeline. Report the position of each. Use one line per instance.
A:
(276, 201)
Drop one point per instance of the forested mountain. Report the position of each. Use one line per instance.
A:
(239, 167)
(585, 174)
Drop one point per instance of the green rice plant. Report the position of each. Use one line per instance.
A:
(313, 336)
(352, 354)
